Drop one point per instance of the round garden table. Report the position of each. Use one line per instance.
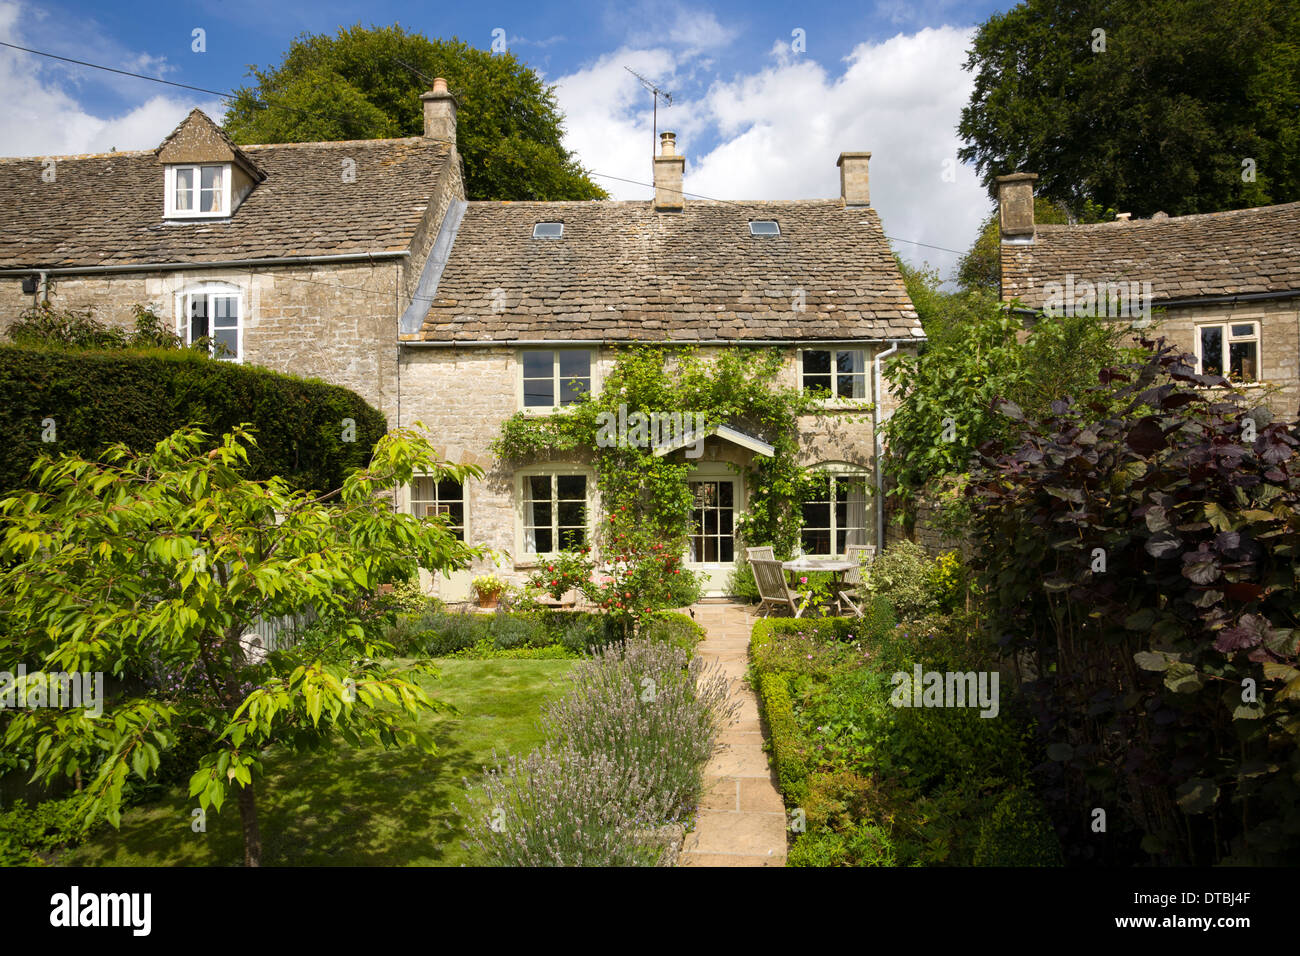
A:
(838, 567)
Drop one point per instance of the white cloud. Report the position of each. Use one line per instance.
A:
(669, 23)
(42, 118)
(780, 130)
(608, 117)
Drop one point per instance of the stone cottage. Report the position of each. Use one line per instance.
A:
(297, 257)
(1223, 286)
(362, 263)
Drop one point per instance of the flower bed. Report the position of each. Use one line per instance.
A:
(880, 784)
(438, 632)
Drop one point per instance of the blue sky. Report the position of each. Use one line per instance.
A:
(758, 115)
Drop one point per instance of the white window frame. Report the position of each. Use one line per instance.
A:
(171, 212)
(835, 398)
(835, 470)
(527, 557)
(211, 290)
(418, 507)
(555, 377)
(1227, 338)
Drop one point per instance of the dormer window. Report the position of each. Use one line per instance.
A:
(198, 191)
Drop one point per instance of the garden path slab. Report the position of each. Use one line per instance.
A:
(742, 817)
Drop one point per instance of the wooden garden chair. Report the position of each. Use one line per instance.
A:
(773, 590)
(855, 553)
(760, 554)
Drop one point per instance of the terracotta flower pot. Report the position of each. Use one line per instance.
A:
(489, 600)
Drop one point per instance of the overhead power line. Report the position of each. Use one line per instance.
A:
(221, 94)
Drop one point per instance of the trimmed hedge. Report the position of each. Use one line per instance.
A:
(788, 751)
(139, 398)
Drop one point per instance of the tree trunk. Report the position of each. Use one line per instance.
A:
(252, 835)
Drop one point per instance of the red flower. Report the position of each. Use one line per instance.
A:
(555, 583)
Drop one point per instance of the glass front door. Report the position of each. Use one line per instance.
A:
(713, 520)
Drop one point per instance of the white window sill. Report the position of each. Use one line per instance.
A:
(542, 411)
(844, 405)
(174, 219)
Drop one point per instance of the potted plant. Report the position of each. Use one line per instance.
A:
(488, 588)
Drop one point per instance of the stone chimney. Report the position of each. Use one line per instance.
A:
(439, 113)
(668, 175)
(1016, 206)
(855, 188)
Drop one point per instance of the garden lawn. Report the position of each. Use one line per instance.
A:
(357, 806)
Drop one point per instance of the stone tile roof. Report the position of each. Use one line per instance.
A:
(107, 209)
(625, 272)
(1211, 254)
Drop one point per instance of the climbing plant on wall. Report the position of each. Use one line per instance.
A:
(645, 497)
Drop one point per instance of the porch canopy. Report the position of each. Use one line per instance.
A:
(725, 432)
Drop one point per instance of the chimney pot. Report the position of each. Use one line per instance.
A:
(1123, 216)
(855, 186)
(439, 113)
(1016, 205)
(668, 170)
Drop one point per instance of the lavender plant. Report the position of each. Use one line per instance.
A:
(645, 705)
(621, 768)
(561, 807)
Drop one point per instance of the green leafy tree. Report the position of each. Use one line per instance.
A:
(151, 567)
(1160, 113)
(947, 391)
(366, 84)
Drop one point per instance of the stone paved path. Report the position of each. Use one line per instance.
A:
(742, 817)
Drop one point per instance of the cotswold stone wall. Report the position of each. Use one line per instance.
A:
(334, 322)
(1279, 344)
(925, 532)
(463, 395)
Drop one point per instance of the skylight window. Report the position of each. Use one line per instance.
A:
(764, 227)
(548, 230)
